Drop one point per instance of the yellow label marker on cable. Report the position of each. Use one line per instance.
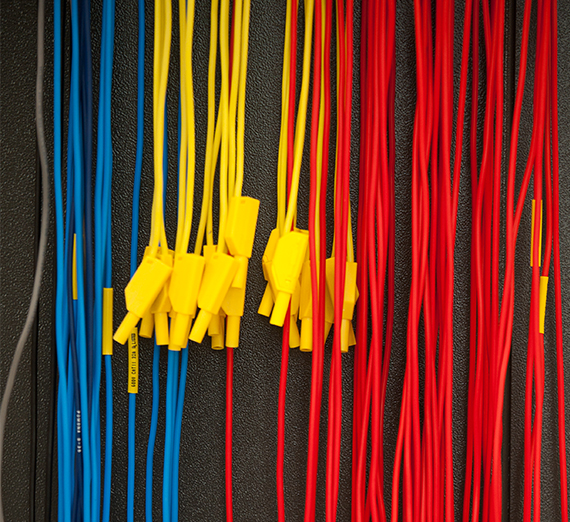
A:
(542, 302)
(532, 235)
(107, 338)
(134, 361)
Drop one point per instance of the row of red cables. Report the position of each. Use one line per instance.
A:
(491, 324)
(375, 255)
(423, 465)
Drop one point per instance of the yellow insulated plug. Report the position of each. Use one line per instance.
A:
(349, 301)
(294, 335)
(147, 321)
(329, 314)
(161, 306)
(240, 234)
(286, 269)
(268, 298)
(142, 290)
(184, 288)
(216, 331)
(233, 304)
(241, 224)
(147, 325)
(218, 275)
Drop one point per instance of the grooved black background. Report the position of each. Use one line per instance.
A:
(257, 361)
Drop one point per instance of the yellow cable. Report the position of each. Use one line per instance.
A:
(320, 137)
(301, 116)
(340, 98)
(191, 133)
(282, 157)
(224, 59)
(215, 154)
(235, 87)
(208, 170)
(161, 62)
(183, 153)
(241, 106)
(155, 81)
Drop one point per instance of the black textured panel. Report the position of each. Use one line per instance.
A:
(257, 361)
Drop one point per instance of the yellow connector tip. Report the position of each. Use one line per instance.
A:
(232, 331)
(129, 322)
(217, 341)
(215, 326)
(147, 325)
(280, 309)
(161, 328)
(200, 326)
(306, 335)
(266, 305)
(294, 336)
(328, 326)
(180, 330)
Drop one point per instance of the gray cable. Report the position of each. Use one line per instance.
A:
(43, 240)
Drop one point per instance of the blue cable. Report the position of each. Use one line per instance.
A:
(140, 138)
(171, 384)
(61, 506)
(134, 245)
(109, 402)
(108, 440)
(155, 393)
(152, 434)
(69, 328)
(180, 397)
(86, 102)
(178, 431)
(81, 319)
(131, 459)
(100, 245)
(103, 268)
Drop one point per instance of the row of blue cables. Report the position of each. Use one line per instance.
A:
(79, 317)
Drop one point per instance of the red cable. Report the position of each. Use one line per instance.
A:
(286, 327)
(229, 428)
(281, 420)
(408, 434)
(362, 382)
(360, 350)
(316, 303)
(361, 414)
(344, 40)
(556, 248)
(383, 210)
(229, 362)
